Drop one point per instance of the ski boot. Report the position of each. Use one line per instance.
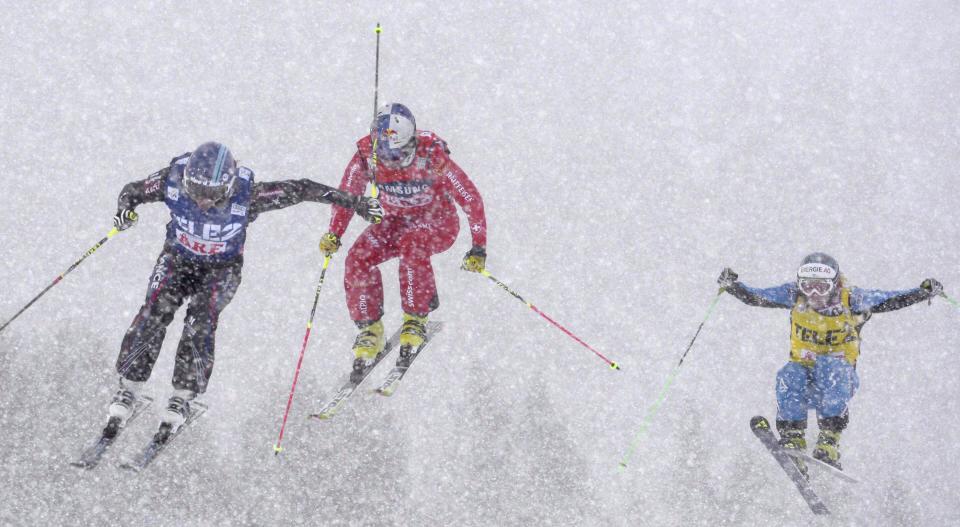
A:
(121, 407)
(828, 442)
(792, 437)
(368, 345)
(412, 334)
(828, 448)
(177, 412)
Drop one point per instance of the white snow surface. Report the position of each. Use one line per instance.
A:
(626, 153)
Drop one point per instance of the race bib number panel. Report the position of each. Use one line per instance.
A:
(198, 245)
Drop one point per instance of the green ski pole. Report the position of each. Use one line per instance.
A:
(948, 299)
(666, 387)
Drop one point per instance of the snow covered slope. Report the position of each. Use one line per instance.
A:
(626, 153)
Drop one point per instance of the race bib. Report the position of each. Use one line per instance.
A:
(198, 245)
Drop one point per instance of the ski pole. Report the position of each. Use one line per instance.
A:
(92, 250)
(666, 387)
(504, 286)
(374, 192)
(303, 349)
(948, 299)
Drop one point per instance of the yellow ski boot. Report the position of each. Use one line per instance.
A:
(792, 437)
(366, 347)
(413, 332)
(828, 448)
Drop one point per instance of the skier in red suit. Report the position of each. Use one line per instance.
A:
(418, 184)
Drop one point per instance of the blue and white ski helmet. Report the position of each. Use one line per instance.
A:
(394, 134)
(210, 175)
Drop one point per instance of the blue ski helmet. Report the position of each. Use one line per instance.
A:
(394, 135)
(210, 175)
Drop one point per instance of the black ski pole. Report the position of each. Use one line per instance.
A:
(57, 280)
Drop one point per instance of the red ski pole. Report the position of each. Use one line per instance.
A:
(296, 375)
(503, 286)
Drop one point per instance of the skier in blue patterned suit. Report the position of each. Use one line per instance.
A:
(211, 202)
(826, 315)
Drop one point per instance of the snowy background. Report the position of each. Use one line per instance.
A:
(626, 153)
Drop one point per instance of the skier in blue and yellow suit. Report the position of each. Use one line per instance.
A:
(825, 320)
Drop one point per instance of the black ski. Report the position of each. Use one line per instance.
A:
(810, 461)
(353, 381)
(162, 439)
(91, 456)
(404, 360)
(761, 428)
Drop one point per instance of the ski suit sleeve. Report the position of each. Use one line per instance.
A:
(275, 195)
(354, 182)
(465, 193)
(879, 301)
(146, 190)
(782, 296)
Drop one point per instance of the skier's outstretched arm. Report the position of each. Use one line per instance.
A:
(782, 296)
(134, 193)
(275, 195)
(879, 301)
(354, 182)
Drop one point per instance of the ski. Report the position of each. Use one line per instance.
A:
(821, 466)
(761, 428)
(91, 456)
(353, 381)
(162, 439)
(405, 360)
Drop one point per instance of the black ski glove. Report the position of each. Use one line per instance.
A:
(124, 219)
(727, 278)
(369, 209)
(932, 286)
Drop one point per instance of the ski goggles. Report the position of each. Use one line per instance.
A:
(815, 286)
(206, 194)
(394, 158)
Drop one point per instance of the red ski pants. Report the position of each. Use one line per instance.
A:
(413, 243)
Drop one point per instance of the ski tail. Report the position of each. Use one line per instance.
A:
(92, 455)
(392, 380)
(163, 438)
(761, 428)
(811, 461)
(350, 383)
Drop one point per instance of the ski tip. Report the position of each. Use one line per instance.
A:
(622, 466)
(321, 417)
(277, 449)
(614, 365)
(759, 422)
